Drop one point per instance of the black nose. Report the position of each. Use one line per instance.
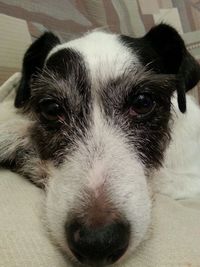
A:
(102, 245)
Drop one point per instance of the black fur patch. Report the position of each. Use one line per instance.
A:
(150, 135)
(163, 50)
(65, 81)
(33, 63)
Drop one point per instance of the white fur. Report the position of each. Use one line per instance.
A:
(96, 177)
(119, 170)
(103, 48)
(180, 175)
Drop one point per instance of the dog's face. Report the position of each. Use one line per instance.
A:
(102, 107)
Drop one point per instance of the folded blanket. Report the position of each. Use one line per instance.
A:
(174, 240)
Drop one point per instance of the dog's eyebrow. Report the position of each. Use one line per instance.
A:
(66, 64)
(64, 77)
(143, 77)
(116, 90)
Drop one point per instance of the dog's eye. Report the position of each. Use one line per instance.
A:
(142, 105)
(50, 110)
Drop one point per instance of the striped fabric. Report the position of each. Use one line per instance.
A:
(70, 18)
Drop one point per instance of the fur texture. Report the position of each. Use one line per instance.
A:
(98, 159)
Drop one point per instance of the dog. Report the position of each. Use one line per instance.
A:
(101, 123)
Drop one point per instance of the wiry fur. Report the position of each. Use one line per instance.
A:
(97, 163)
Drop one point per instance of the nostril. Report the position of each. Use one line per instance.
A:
(104, 244)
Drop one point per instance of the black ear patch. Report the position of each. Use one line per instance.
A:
(175, 59)
(33, 63)
(168, 46)
(163, 50)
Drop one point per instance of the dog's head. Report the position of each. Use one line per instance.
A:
(102, 106)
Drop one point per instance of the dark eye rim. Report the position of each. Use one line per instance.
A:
(146, 115)
(42, 112)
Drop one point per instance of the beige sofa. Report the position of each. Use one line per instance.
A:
(174, 240)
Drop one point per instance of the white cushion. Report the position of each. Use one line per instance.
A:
(173, 241)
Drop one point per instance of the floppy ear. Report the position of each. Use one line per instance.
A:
(33, 63)
(172, 57)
